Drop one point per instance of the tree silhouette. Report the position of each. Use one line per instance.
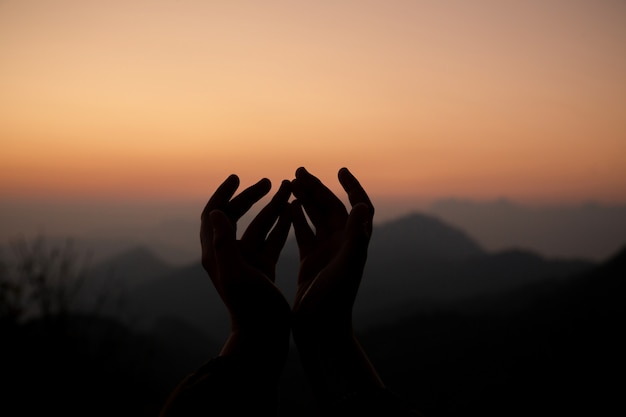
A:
(40, 280)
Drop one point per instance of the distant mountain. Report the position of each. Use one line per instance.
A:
(592, 230)
(550, 348)
(394, 288)
(421, 237)
(186, 293)
(96, 366)
(566, 230)
(422, 261)
(135, 266)
(456, 330)
(406, 243)
(112, 279)
(413, 262)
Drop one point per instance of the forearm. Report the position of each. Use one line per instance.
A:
(343, 379)
(241, 380)
(262, 352)
(335, 364)
(222, 387)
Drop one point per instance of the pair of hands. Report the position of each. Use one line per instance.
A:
(244, 378)
(332, 257)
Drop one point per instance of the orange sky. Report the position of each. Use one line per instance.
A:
(162, 99)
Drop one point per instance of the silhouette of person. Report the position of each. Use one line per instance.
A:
(244, 377)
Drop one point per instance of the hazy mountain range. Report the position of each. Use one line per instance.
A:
(591, 231)
(451, 326)
(549, 348)
(415, 262)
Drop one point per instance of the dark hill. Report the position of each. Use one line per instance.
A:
(560, 351)
(398, 277)
(132, 267)
(186, 293)
(79, 365)
(419, 237)
(110, 281)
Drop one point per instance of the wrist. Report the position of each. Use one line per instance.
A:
(322, 333)
(312, 323)
(335, 364)
(265, 351)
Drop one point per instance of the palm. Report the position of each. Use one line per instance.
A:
(330, 268)
(243, 271)
(314, 267)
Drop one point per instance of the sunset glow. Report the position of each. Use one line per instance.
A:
(163, 99)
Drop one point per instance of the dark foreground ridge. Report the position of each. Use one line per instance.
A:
(550, 347)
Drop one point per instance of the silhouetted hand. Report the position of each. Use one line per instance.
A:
(243, 271)
(243, 379)
(333, 257)
(332, 260)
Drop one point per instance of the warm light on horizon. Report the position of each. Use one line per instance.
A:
(163, 99)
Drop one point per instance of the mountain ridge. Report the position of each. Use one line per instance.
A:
(396, 276)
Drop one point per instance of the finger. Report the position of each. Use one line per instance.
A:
(278, 236)
(357, 237)
(224, 245)
(219, 200)
(322, 205)
(239, 205)
(261, 225)
(359, 223)
(304, 235)
(306, 201)
(356, 193)
(220, 197)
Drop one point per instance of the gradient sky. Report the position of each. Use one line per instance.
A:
(162, 99)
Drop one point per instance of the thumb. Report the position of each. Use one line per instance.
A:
(224, 243)
(358, 232)
(360, 222)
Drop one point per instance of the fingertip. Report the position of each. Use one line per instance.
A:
(283, 193)
(232, 180)
(296, 187)
(265, 182)
(285, 185)
(344, 175)
(300, 172)
(264, 185)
